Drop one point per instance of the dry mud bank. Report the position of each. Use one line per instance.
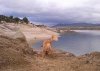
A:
(16, 55)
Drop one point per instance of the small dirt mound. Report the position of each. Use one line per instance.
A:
(13, 52)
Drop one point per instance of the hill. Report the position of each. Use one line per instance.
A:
(17, 55)
(77, 25)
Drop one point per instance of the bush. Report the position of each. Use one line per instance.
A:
(11, 19)
(25, 20)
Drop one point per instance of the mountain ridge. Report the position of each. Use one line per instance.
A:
(76, 25)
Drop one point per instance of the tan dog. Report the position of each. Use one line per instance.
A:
(47, 45)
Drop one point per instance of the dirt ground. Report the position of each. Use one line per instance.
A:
(16, 55)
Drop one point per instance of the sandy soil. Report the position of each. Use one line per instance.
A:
(35, 33)
(31, 33)
(16, 55)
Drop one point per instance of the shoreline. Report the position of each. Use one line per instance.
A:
(16, 55)
(36, 33)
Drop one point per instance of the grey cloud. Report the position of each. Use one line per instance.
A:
(45, 12)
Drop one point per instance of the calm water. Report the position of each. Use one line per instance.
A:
(79, 42)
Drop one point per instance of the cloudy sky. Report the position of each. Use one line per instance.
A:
(53, 11)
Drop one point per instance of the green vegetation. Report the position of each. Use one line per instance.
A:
(11, 19)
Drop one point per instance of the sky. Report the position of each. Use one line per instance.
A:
(53, 11)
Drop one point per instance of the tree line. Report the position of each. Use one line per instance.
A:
(11, 19)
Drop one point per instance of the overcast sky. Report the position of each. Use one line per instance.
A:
(53, 11)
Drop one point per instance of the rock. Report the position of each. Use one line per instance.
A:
(70, 54)
(11, 31)
(12, 37)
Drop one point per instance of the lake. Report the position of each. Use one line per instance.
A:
(79, 42)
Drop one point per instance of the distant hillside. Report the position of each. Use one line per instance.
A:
(76, 25)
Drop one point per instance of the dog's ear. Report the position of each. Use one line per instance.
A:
(54, 37)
